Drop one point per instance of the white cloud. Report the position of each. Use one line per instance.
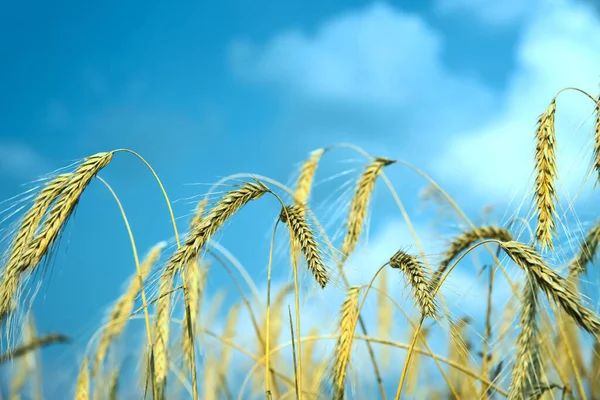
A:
(559, 48)
(378, 58)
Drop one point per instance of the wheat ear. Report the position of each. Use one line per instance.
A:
(83, 382)
(304, 238)
(195, 280)
(360, 203)
(545, 176)
(343, 349)
(161, 329)
(553, 285)
(586, 252)
(305, 180)
(527, 368)
(210, 224)
(597, 139)
(122, 309)
(462, 242)
(415, 275)
(30, 252)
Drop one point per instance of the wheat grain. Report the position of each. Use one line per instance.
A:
(545, 170)
(415, 275)
(360, 203)
(343, 349)
(303, 237)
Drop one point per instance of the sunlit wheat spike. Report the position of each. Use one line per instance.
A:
(385, 314)
(462, 242)
(415, 275)
(82, 391)
(595, 371)
(553, 285)
(597, 139)
(32, 251)
(199, 234)
(360, 203)
(545, 176)
(303, 237)
(123, 307)
(586, 252)
(527, 368)
(305, 181)
(343, 349)
(229, 332)
(195, 285)
(161, 330)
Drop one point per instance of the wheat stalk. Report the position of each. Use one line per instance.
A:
(415, 275)
(597, 139)
(360, 203)
(462, 242)
(303, 237)
(545, 170)
(123, 308)
(553, 285)
(343, 349)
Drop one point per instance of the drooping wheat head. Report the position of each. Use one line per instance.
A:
(360, 203)
(56, 202)
(545, 176)
(304, 239)
(199, 234)
(462, 242)
(343, 349)
(553, 285)
(415, 275)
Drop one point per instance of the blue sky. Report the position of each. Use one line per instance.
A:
(206, 90)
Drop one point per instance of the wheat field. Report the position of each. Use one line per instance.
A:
(395, 332)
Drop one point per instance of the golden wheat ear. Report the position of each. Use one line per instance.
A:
(304, 238)
(343, 349)
(82, 391)
(415, 275)
(597, 140)
(462, 242)
(305, 180)
(360, 204)
(545, 176)
(35, 238)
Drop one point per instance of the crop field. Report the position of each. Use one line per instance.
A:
(398, 330)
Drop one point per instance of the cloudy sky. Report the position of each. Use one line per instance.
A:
(203, 90)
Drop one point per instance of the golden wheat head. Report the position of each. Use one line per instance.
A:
(545, 176)
(360, 203)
